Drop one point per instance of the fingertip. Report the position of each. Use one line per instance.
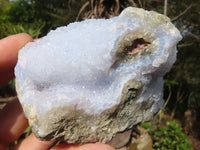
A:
(32, 143)
(13, 121)
(97, 146)
(24, 38)
(9, 48)
(89, 146)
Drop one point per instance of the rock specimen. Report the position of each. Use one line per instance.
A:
(92, 79)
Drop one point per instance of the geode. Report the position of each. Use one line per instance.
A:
(89, 80)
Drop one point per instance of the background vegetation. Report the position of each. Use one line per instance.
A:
(182, 83)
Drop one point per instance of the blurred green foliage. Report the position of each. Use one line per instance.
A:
(170, 138)
(145, 125)
(9, 25)
(36, 17)
(8, 89)
(186, 71)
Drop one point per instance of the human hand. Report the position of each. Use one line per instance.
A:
(12, 119)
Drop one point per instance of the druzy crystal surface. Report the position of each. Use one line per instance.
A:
(89, 80)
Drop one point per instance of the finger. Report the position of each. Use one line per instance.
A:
(4, 147)
(32, 143)
(96, 146)
(13, 122)
(9, 48)
(6, 76)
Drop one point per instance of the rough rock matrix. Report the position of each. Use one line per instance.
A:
(92, 79)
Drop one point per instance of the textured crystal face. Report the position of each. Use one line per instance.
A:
(89, 80)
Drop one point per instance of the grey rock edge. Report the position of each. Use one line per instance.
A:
(78, 85)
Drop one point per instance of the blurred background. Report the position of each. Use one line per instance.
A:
(178, 123)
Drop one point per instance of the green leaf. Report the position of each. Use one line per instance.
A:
(27, 129)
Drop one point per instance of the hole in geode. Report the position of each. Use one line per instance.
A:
(133, 46)
(128, 52)
(138, 45)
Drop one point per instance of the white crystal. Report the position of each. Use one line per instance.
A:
(74, 78)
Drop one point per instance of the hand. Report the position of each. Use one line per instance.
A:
(12, 119)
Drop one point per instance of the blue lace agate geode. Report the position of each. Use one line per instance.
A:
(92, 79)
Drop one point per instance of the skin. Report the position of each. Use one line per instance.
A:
(12, 119)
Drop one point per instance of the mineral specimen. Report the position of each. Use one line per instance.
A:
(92, 79)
